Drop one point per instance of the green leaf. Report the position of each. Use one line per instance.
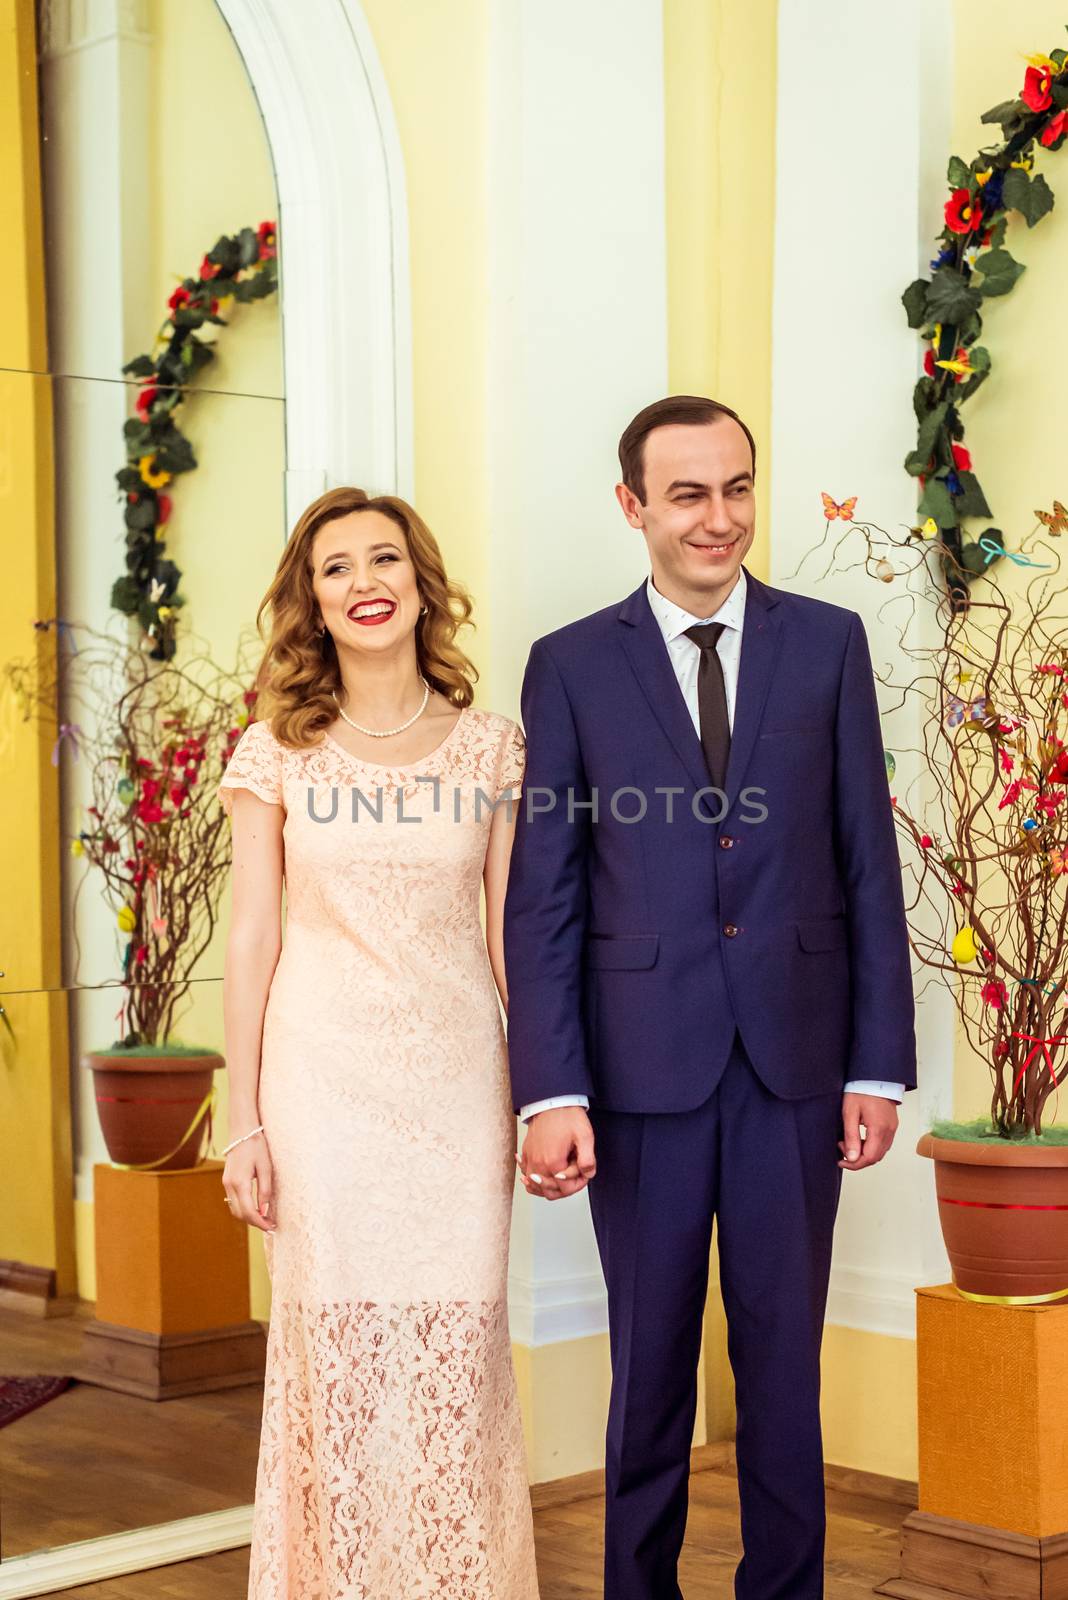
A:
(915, 302)
(922, 395)
(979, 356)
(971, 502)
(1059, 92)
(1000, 271)
(958, 175)
(125, 596)
(967, 389)
(141, 514)
(1006, 113)
(140, 367)
(930, 428)
(1041, 198)
(949, 298)
(1031, 197)
(998, 231)
(937, 502)
(917, 462)
(248, 247)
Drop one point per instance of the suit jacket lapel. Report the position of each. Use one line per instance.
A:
(761, 637)
(648, 655)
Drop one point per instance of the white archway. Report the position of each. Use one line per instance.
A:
(343, 243)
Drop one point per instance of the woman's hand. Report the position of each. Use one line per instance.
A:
(247, 1179)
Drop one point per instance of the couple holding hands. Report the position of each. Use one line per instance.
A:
(695, 925)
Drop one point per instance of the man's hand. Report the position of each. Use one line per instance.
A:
(557, 1157)
(879, 1119)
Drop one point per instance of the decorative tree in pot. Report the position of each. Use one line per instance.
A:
(153, 740)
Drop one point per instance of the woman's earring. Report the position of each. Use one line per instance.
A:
(423, 610)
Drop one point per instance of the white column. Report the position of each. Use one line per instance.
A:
(863, 130)
(578, 344)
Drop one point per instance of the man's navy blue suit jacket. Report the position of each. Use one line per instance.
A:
(634, 948)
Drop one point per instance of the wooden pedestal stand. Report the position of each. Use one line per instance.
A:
(172, 1309)
(992, 1522)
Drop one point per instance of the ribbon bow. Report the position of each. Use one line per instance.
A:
(1047, 1046)
(993, 550)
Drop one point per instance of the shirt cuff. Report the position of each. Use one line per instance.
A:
(875, 1086)
(526, 1112)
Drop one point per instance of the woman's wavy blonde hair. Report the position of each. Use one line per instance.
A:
(299, 671)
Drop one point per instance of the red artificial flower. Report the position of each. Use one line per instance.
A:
(928, 362)
(1054, 128)
(1059, 770)
(208, 270)
(1048, 803)
(1036, 90)
(214, 307)
(163, 507)
(149, 811)
(963, 214)
(1001, 1050)
(149, 789)
(988, 957)
(1052, 668)
(179, 298)
(962, 459)
(146, 399)
(995, 993)
(250, 697)
(958, 889)
(267, 235)
(926, 841)
(142, 954)
(1013, 792)
(178, 794)
(1007, 761)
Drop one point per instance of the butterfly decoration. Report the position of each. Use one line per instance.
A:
(957, 710)
(1056, 520)
(832, 509)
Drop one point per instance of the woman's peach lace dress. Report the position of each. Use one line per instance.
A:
(391, 1459)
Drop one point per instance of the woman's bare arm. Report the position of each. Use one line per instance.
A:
(252, 951)
(495, 879)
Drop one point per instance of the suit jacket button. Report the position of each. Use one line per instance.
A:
(725, 841)
(730, 930)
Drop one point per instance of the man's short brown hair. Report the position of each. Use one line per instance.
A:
(690, 410)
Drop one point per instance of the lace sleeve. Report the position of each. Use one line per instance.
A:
(513, 761)
(256, 764)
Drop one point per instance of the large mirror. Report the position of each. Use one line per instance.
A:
(132, 1308)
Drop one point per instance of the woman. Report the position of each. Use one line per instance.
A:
(372, 1135)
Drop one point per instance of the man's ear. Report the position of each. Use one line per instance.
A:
(632, 506)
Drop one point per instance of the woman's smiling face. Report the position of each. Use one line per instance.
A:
(364, 581)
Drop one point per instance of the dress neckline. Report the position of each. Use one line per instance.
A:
(393, 766)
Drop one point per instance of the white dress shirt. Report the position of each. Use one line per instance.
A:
(685, 659)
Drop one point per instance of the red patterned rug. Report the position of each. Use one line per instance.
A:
(20, 1395)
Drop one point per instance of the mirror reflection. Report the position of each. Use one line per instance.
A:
(142, 430)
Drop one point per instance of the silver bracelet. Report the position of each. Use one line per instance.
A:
(234, 1144)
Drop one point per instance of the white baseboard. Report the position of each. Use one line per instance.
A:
(873, 1301)
(92, 1560)
(557, 1309)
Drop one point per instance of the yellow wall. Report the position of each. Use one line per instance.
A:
(36, 1220)
(435, 61)
(869, 1402)
(720, 67)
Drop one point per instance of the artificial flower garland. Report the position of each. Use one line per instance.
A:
(972, 265)
(242, 266)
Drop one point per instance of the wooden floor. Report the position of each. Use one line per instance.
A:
(94, 1462)
(862, 1542)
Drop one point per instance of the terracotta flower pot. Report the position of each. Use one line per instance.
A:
(146, 1105)
(1004, 1214)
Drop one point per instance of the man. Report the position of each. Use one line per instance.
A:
(710, 996)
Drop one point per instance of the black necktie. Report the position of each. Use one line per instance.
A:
(712, 701)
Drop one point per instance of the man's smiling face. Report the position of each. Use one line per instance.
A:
(699, 511)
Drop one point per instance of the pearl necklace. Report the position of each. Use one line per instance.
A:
(386, 733)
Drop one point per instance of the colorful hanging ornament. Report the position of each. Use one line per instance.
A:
(964, 948)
